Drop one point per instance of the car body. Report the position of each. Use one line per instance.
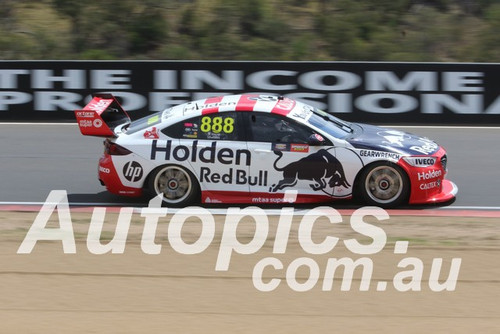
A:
(253, 148)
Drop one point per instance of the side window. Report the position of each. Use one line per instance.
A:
(273, 128)
(216, 126)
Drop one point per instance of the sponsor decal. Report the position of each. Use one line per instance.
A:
(430, 185)
(379, 154)
(85, 114)
(397, 138)
(420, 161)
(97, 122)
(321, 167)
(319, 137)
(151, 134)
(427, 147)
(126, 192)
(99, 105)
(193, 153)
(212, 200)
(211, 135)
(217, 105)
(104, 170)
(85, 123)
(285, 104)
(190, 130)
(393, 137)
(305, 113)
(132, 171)
(303, 148)
(429, 175)
(268, 98)
(233, 176)
(154, 119)
(267, 200)
(424, 161)
(280, 147)
(211, 107)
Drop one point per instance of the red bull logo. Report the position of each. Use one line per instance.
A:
(321, 167)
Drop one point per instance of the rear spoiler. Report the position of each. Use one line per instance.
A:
(101, 116)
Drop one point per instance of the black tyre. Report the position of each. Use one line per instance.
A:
(178, 186)
(384, 184)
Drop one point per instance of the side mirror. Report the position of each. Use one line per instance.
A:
(316, 140)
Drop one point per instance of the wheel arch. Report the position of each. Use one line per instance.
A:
(356, 190)
(155, 169)
(147, 181)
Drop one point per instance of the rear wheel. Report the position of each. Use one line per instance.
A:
(177, 185)
(384, 184)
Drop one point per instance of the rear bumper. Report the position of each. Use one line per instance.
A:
(109, 178)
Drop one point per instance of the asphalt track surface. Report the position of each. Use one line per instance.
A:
(38, 158)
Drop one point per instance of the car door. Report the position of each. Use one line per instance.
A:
(218, 155)
(288, 156)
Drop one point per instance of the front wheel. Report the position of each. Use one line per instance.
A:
(177, 185)
(385, 185)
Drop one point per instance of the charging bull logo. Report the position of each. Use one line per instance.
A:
(321, 167)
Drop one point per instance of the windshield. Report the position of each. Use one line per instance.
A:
(330, 124)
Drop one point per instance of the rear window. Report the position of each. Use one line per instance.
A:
(143, 123)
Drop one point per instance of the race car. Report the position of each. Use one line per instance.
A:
(260, 149)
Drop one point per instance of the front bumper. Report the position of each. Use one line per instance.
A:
(428, 184)
(448, 192)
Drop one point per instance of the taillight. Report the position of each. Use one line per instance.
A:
(111, 148)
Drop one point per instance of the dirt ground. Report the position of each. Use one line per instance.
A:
(52, 292)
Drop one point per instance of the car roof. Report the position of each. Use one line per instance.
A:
(242, 102)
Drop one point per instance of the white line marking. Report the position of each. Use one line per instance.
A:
(493, 208)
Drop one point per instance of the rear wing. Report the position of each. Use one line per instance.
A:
(101, 116)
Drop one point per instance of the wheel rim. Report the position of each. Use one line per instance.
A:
(173, 183)
(384, 184)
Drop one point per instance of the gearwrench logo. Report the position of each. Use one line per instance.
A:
(409, 278)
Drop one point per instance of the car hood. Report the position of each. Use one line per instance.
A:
(377, 138)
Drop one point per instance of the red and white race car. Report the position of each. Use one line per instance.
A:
(253, 148)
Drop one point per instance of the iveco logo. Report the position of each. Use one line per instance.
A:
(132, 171)
(424, 161)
